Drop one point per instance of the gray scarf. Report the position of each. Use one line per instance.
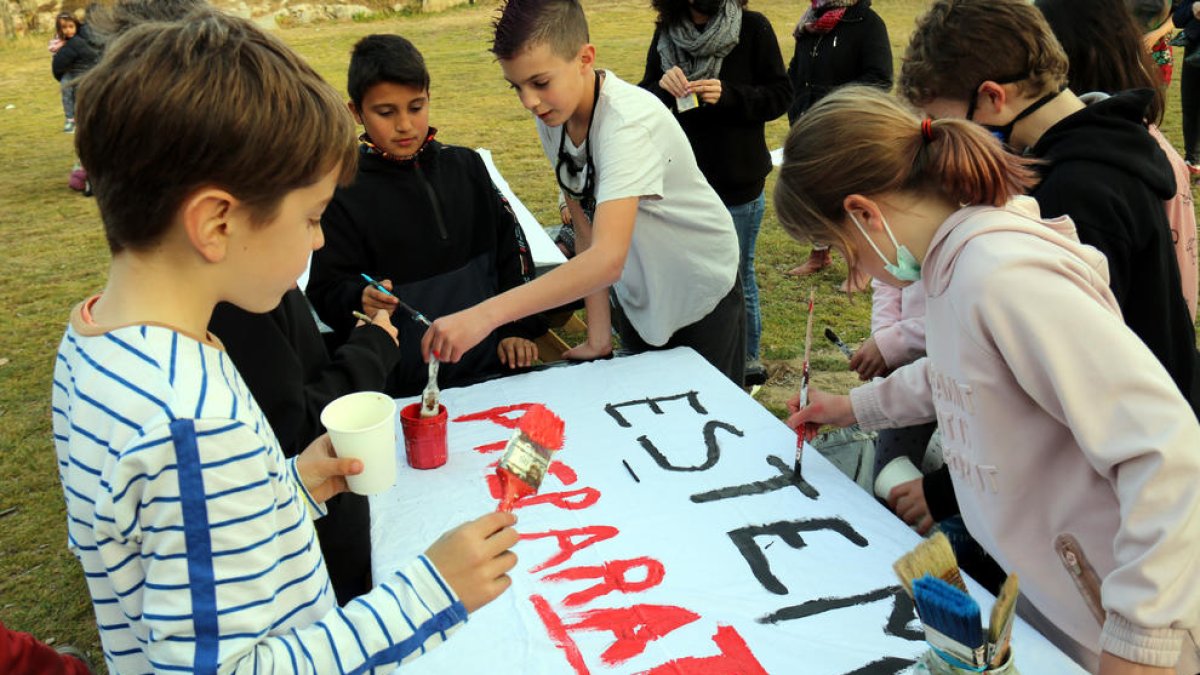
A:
(699, 54)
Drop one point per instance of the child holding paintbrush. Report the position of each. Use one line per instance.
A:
(1075, 466)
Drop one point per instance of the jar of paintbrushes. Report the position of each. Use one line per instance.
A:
(958, 642)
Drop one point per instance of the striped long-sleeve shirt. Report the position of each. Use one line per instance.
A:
(195, 533)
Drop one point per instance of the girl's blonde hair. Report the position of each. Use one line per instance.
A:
(860, 140)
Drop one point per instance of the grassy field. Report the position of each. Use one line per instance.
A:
(53, 254)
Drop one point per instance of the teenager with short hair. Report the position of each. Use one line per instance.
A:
(647, 221)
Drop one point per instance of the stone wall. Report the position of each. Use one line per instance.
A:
(37, 16)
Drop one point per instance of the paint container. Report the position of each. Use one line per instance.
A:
(521, 469)
(424, 437)
(899, 470)
(362, 425)
(931, 664)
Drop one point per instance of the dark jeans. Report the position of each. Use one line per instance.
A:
(720, 337)
(747, 218)
(68, 96)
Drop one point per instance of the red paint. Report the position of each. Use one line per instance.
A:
(512, 489)
(632, 627)
(490, 447)
(735, 659)
(542, 427)
(565, 474)
(567, 545)
(498, 415)
(558, 634)
(424, 437)
(615, 577)
(570, 500)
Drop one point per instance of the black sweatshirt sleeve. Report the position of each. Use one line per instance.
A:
(939, 494)
(876, 55)
(335, 284)
(769, 94)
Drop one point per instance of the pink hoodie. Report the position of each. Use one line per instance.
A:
(1074, 457)
(898, 322)
(1181, 213)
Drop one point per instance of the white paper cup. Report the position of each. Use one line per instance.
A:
(362, 425)
(899, 470)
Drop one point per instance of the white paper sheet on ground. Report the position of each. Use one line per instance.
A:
(750, 566)
(777, 157)
(541, 246)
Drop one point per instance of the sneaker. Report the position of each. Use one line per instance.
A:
(69, 127)
(754, 374)
(818, 260)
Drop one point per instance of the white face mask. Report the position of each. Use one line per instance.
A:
(906, 267)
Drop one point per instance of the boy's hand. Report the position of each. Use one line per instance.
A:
(674, 82)
(474, 558)
(589, 351)
(452, 336)
(564, 212)
(323, 472)
(709, 91)
(868, 361)
(517, 352)
(907, 500)
(823, 408)
(384, 321)
(374, 300)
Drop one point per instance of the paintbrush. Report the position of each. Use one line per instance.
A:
(429, 397)
(808, 430)
(417, 316)
(932, 556)
(951, 619)
(1001, 622)
(833, 337)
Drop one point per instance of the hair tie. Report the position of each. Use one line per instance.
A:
(927, 129)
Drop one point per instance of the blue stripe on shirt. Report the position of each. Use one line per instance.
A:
(199, 546)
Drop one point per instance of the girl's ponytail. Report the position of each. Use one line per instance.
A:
(968, 165)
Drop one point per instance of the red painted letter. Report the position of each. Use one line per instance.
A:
(735, 659)
(615, 578)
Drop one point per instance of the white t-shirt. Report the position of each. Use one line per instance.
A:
(684, 255)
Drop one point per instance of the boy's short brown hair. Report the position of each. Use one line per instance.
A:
(959, 44)
(523, 24)
(207, 101)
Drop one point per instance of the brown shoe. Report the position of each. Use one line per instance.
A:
(818, 260)
(857, 282)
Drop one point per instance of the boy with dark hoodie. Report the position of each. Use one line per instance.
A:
(422, 218)
(1100, 165)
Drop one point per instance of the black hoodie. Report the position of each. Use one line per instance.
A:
(441, 232)
(1105, 171)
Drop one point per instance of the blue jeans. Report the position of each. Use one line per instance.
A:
(747, 218)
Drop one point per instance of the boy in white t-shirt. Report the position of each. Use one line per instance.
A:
(661, 237)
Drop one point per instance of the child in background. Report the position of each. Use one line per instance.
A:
(422, 218)
(194, 532)
(647, 222)
(1065, 456)
(1098, 165)
(71, 59)
(1120, 66)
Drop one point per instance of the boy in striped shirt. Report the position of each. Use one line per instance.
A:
(213, 150)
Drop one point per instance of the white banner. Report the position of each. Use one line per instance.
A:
(714, 560)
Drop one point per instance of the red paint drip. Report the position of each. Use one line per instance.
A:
(490, 447)
(614, 578)
(735, 659)
(558, 634)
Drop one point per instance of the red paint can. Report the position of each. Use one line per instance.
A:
(424, 437)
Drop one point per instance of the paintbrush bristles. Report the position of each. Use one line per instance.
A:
(933, 556)
(1001, 621)
(952, 621)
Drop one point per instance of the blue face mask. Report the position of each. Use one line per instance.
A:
(906, 267)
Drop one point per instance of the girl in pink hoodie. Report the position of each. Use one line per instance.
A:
(1075, 459)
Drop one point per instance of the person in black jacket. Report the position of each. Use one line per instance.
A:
(729, 58)
(1187, 17)
(72, 59)
(422, 218)
(838, 42)
(283, 360)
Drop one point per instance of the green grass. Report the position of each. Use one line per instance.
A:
(53, 253)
